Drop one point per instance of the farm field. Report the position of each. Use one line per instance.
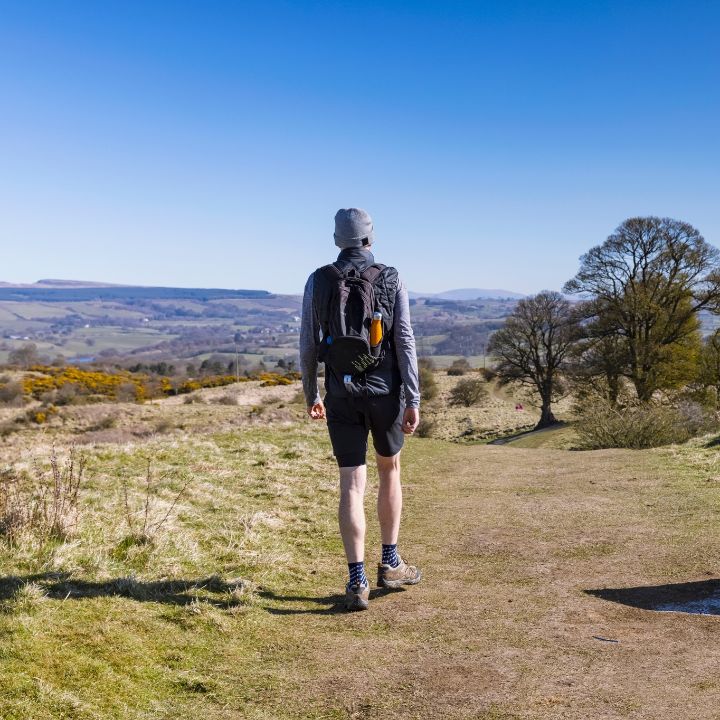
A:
(182, 321)
(476, 361)
(541, 571)
(90, 341)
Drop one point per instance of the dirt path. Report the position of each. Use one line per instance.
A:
(512, 542)
(530, 433)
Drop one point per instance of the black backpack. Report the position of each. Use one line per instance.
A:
(346, 318)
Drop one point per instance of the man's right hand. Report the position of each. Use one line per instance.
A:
(411, 419)
(317, 411)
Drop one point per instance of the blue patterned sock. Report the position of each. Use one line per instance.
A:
(390, 555)
(357, 573)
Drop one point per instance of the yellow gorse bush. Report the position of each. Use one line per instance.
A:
(42, 379)
(93, 382)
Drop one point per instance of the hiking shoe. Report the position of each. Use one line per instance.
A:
(395, 577)
(357, 596)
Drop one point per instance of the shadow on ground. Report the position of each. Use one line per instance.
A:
(527, 433)
(698, 598)
(334, 603)
(62, 586)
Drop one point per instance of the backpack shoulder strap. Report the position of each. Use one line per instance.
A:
(332, 272)
(373, 272)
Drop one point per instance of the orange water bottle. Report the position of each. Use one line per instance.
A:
(376, 330)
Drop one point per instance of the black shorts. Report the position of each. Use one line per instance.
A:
(350, 419)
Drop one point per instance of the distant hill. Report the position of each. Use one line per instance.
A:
(470, 294)
(81, 291)
(73, 283)
(58, 283)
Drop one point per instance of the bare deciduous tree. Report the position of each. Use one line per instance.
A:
(532, 346)
(24, 356)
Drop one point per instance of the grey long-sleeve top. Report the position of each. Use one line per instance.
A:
(404, 341)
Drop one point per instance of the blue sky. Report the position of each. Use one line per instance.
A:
(210, 143)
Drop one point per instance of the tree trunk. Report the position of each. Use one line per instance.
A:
(613, 382)
(643, 389)
(546, 416)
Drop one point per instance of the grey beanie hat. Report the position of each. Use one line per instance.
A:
(353, 228)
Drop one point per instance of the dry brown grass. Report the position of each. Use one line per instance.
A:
(146, 521)
(43, 505)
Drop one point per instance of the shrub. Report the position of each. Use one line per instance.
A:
(487, 374)
(104, 423)
(163, 425)
(428, 384)
(24, 356)
(126, 392)
(86, 382)
(459, 367)
(8, 428)
(209, 381)
(11, 393)
(36, 416)
(696, 418)
(298, 398)
(226, 399)
(66, 394)
(425, 428)
(274, 380)
(644, 425)
(468, 392)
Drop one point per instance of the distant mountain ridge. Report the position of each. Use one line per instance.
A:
(470, 294)
(73, 283)
(45, 283)
(81, 291)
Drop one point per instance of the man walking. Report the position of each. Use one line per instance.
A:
(356, 319)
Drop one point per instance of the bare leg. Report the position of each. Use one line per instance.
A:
(351, 512)
(389, 502)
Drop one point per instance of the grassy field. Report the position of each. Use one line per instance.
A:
(92, 340)
(445, 361)
(540, 568)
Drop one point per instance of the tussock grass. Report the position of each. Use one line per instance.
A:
(43, 505)
(24, 599)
